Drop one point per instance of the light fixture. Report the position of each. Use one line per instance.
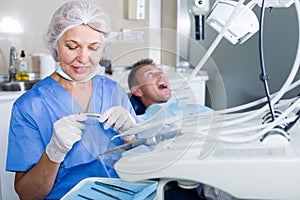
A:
(9, 25)
(242, 27)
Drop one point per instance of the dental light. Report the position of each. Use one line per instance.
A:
(243, 26)
(245, 23)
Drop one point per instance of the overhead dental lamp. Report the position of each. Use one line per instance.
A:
(243, 26)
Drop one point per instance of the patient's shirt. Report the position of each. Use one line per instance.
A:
(174, 109)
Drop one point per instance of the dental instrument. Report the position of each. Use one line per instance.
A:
(165, 133)
(105, 193)
(90, 114)
(85, 197)
(116, 187)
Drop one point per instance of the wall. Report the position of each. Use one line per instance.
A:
(35, 15)
(168, 24)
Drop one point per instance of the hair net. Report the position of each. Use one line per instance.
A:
(71, 14)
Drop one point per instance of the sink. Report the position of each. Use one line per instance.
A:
(5, 85)
(17, 85)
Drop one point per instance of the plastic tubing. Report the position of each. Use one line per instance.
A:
(270, 126)
(143, 126)
(254, 103)
(248, 128)
(240, 130)
(235, 115)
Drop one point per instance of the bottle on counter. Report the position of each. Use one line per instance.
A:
(22, 74)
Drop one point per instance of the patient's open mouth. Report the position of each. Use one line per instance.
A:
(162, 85)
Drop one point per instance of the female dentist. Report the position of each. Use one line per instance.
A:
(45, 147)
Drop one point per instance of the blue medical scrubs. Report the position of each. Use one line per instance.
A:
(31, 127)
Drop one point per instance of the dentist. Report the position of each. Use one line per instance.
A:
(45, 147)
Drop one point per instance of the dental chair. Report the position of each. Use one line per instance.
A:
(137, 105)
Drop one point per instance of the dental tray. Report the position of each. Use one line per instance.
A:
(98, 188)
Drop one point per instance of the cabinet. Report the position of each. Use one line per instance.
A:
(7, 191)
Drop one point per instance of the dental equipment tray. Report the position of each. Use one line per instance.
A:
(111, 188)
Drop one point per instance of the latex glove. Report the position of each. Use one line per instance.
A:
(118, 118)
(66, 132)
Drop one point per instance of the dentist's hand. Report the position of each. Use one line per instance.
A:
(66, 132)
(118, 118)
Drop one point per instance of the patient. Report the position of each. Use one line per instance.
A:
(150, 90)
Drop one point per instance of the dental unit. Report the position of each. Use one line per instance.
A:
(249, 152)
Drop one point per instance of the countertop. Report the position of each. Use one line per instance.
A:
(10, 95)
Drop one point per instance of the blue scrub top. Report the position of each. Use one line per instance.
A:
(31, 127)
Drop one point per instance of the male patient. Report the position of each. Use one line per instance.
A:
(151, 88)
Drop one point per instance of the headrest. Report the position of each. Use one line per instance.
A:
(137, 105)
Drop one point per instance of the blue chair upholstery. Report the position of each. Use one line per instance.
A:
(137, 105)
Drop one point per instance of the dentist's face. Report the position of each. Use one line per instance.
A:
(80, 49)
(153, 85)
